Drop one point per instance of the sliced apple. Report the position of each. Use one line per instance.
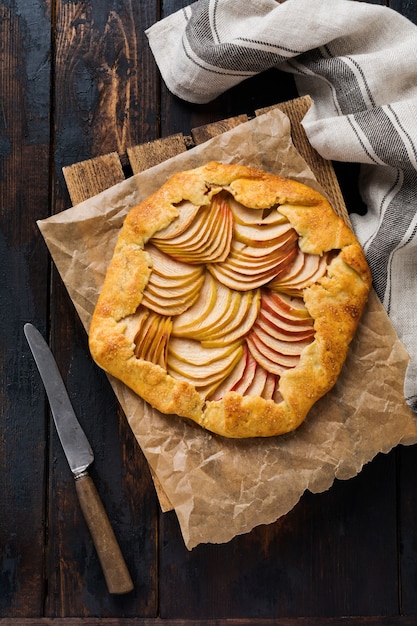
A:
(165, 267)
(313, 268)
(281, 347)
(225, 308)
(132, 323)
(262, 234)
(257, 386)
(294, 269)
(242, 260)
(222, 315)
(230, 318)
(283, 325)
(254, 378)
(281, 330)
(258, 254)
(145, 336)
(174, 292)
(157, 351)
(228, 383)
(199, 310)
(239, 325)
(238, 280)
(247, 378)
(186, 214)
(173, 286)
(159, 281)
(201, 366)
(309, 277)
(171, 302)
(270, 387)
(277, 397)
(288, 308)
(190, 351)
(190, 239)
(223, 303)
(248, 374)
(252, 266)
(268, 358)
(152, 336)
(247, 216)
(207, 239)
(217, 247)
(160, 346)
(237, 277)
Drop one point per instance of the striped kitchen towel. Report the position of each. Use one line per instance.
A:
(358, 62)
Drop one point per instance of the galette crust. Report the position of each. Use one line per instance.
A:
(336, 301)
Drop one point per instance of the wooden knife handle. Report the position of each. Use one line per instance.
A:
(114, 567)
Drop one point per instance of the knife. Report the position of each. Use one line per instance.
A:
(80, 456)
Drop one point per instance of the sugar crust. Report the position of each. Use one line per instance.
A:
(336, 301)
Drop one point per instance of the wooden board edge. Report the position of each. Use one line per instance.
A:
(88, 178)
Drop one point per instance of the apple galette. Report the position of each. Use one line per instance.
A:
(231, 300)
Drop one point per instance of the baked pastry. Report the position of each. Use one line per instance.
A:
(231, 300)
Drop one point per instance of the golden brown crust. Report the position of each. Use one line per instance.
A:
(335, 301)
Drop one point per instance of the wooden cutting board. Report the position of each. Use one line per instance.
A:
(88, 178)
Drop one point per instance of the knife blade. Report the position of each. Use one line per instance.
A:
(80, 456)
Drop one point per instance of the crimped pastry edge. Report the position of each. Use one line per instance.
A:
(336, 302)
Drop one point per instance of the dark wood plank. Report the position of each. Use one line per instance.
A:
(146, 155)
(407, 8)
(366, 620)
(88, 178)
(107, 87)
(24, 154)
(106, 99)
(407, 540)
(208, 131)
(334, 554)
(383, 620)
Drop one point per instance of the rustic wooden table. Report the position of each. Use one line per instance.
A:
(77, 81)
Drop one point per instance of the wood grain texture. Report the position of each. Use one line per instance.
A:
(24, 184)
(208, 131)
(94, 176)
(312, 562)
(144, 156)
(104, 95)
(363, 620)
(405, 7)
(110, 556)
(105, 90)
(347, 556)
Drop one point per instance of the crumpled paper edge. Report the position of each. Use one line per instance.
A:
(221, 488)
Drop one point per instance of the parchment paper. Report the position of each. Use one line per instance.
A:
(220, 488)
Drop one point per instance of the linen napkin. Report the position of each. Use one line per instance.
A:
(358, 62)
